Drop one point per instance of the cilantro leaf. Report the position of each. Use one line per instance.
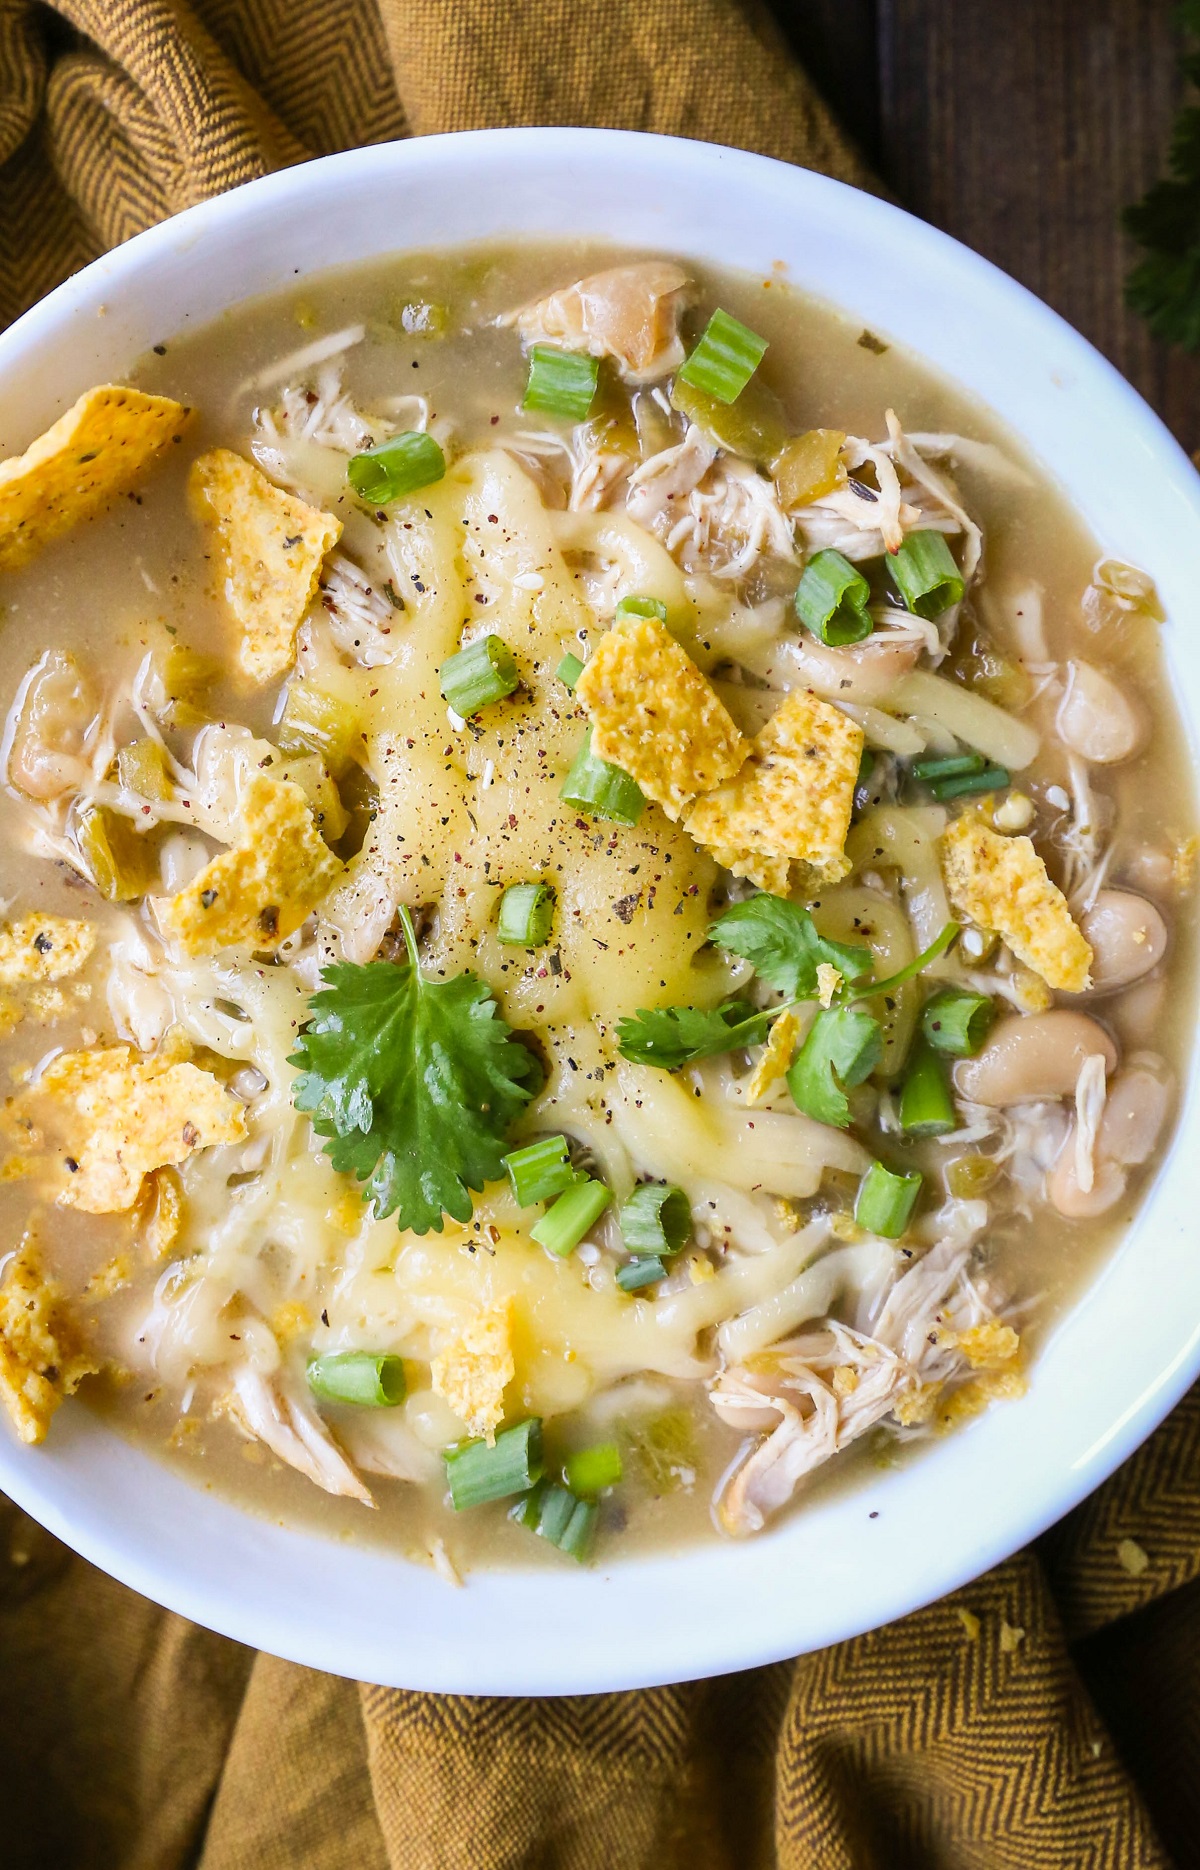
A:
(782, 945)
(414, 1083)
(1165, 286)
(671, 1036)
(842, 1048)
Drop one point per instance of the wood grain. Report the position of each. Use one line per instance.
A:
(1022, 127)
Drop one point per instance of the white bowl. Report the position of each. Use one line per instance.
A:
(1127, 1351)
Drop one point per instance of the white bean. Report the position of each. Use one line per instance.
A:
(1128, 937)
(1033, 1056)
(1133, 1118)
(1062, 1186)
(1095, 718)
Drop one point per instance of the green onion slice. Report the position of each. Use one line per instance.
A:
(990, 779)
(556, 1515)
(656, 1219)
(642, 607)
(843, 1046)
(832, 598)
(957, 1022)
(569, 671)
(646, 1270)
(947, 766)
(477, 1473)
(885, 1201)
(540, 1170)
(725, 359)
(590, 1471)
(526, 915)
(369, 1379)
(926, 1106)
(561, 383)
(602, 789)
(578, 1208)
(925, 574)
(483, 672)
(400, 465)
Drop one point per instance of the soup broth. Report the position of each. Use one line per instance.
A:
(768, 698)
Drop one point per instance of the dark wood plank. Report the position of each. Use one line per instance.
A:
(835, 41)
(1023, 128)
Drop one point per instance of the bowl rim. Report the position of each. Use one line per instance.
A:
(714, 1632)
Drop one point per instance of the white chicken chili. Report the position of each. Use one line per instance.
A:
(592, 871)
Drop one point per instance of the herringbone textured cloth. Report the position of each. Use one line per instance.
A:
(1037, 1719)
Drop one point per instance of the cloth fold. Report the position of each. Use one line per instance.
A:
(1048, 1714)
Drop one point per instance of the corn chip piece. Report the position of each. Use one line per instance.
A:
(472, 1373)
(42, 1358)
(97, 450)
(269, 547)
(1001, 883)
(656, 716)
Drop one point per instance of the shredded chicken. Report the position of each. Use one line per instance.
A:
(265, 1412)
(713, 513)
(811, 1396)
(360, 616)
(1091, 1093)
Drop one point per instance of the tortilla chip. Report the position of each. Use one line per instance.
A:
(792, 800)
(269, 547)
(472, 1373)
(120, 1117)
(94, 452)
(1001, 883)
(43, 947)
(656, 716)
(42, 1359)
(260, 890)
(775, 1057)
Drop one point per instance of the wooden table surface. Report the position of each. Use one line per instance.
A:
(1022, 127)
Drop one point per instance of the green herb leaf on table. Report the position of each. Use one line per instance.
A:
(1165, 286)
(413, 1083)
(842, 1049)
(781, 942)
(673, 1036)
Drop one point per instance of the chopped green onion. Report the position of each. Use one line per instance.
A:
(843, 1047)
(947, 766)
(991, 779)
(557, 1516)
(477, 1473)
(371, 1379)
(957, 1022)
(725, 359)
(642, 607)
(400, 465)
(832, 598)
(656, 1219)
(590, 1470)
(561, 383)
(569, 671)
(885, 1201)
(926, 1106)
(578, 1208)
(603, 790)
(526, 915)
(645, 1271)
(483, 672)
(540, 1170)
(925, 574)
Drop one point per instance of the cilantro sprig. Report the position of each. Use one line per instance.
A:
(783, 945)
(414, 1084)
(1165, 286)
